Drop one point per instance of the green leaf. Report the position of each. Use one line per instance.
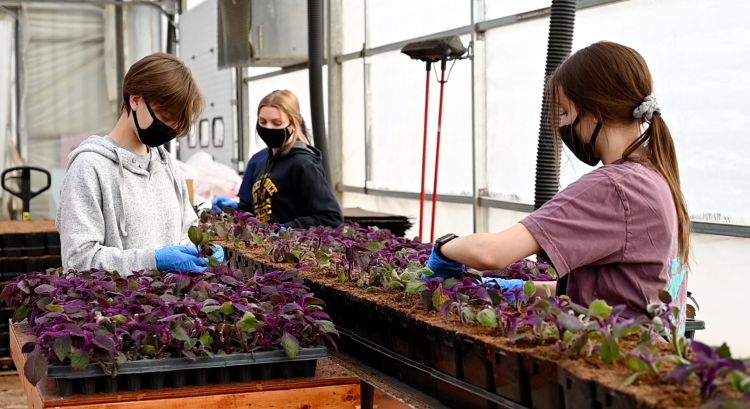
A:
(78, 359)
(119, 319)
(206, 340)
(724, 351)
(415, 286)
(190, 344)
(327, 327)
(609, 350)
(149, 350)
(206, 238)
(343, 277)
(600, 309)
(636, 364)
(487, 318)
(54, 308)
(322, 258)
(290, 345)
(568, 337)
(290, 257)
(374, 246)
(529, 288)
(21, 313)
(395, 284)
(449, 283)
(62, 347)
(209, 308)
(665, 297)
(35, 367)
(227, 308)
(179, 333)
(248, 322)
(213, 261)
(425, 272)
(630, 379)
(468, 314)
(195, 235)
(221, 231)
(439, 298)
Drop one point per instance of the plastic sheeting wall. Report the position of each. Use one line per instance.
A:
(69, 80)
(66, 95)
(7, 97)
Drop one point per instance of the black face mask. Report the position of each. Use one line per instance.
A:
(157, 134)
(584, 151)
(273, 138)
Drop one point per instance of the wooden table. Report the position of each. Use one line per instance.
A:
(322, 391)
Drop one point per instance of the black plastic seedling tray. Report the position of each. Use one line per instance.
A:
(178, 372)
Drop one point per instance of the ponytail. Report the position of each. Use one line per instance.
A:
(661, 155)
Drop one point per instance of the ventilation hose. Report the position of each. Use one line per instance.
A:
(315, 58)
(559, 45)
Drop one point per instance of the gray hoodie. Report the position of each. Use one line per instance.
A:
(116, 207)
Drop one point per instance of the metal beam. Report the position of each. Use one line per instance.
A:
(479, 118)
(720, 229)
(717, 229)
(402, 195)
(334, 37)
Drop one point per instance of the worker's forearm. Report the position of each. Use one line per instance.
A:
(545, 289)
(492, 251)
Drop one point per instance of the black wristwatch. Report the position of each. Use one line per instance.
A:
(440, 242)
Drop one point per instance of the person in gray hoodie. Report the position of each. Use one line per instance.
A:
(124, 206)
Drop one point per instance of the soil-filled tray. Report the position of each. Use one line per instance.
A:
(425, 357)
(460, 364)
(178, 372)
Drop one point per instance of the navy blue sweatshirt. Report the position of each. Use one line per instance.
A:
(290, 189)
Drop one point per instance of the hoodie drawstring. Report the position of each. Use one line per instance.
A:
(177, 188)
(121, 220)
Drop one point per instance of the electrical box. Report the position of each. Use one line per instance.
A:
(262, 33)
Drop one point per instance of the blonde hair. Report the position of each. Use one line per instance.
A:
(286, 102)
(167, 85)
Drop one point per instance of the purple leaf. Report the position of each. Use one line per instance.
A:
(35, 367)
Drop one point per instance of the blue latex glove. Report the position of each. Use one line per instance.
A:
(506, 285)
(222, 202)
(442, 267)
(281, 230)
(218, 253)
(180, 258)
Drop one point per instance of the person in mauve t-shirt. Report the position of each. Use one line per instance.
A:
(621, 232)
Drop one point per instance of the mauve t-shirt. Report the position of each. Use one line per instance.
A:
(614, 231)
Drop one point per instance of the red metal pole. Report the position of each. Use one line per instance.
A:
(424, 149)
(437, 149)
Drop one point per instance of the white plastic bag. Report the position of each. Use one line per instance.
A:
(210, 178)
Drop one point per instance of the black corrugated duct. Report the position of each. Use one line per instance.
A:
(315, 58)
(561, 24)
(560, 42)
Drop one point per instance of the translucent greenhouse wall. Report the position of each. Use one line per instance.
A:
(697, 51)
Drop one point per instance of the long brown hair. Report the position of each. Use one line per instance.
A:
(609, 80)
(286, 102)
(167, 85)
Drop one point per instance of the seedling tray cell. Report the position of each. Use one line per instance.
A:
(577, 393)
(546, 392)
(180, 371)
(510, 378)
